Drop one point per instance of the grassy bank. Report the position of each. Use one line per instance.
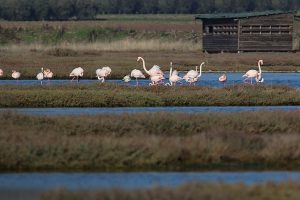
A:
(106, 95)
(157, 141)
(278, 191)
(62, 45)
(28, 59)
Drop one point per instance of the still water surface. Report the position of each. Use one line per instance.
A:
(23, 186)
(46, 181)
(122, 110)
(207, 79)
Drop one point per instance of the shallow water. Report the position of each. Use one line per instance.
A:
(207, 79)
(45, 181)
(121, 110)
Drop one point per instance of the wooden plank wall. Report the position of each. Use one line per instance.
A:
(223, 35)
(220, 43)
(267, 33)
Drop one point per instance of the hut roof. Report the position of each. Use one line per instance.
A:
(241, 15)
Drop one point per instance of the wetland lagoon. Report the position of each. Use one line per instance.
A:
(87, 140)
(178, 140)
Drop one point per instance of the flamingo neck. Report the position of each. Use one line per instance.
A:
(200, 70)
(144, 66)
(259, 67)
(171, 70)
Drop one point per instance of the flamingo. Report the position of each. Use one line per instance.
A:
(192, 76)
(76, 73)
(155, 73)
(48, 73)
(15, 74)
(40, 76)
(173, 76)
(155, 80)
(102, 73)
(1, 72)
(255, 74)
(223, 78)
(126, 78)
(137, 74)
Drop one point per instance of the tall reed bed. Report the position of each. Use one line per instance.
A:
(145, 141)
(108, 95)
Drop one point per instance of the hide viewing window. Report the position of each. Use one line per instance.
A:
(263, 29)
(221, 30)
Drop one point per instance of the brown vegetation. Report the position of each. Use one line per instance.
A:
(109, 95)
(62, 60)
(194, 191)
(28, 46)
(157, 141)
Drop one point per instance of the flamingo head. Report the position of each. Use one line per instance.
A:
(259, 78)
(261, 62)
(139, 58)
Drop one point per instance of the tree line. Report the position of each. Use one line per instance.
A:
(89, 9)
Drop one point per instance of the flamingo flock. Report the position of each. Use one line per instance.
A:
(156, 75)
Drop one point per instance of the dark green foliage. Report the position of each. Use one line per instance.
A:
(88, 9)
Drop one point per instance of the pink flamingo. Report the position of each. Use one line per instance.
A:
(155, 73)
(255, 74)
(223, 78)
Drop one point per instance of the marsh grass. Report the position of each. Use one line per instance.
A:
(192, 191)
(117, 42)
(119, 45)
(110, 95)
(151, 141)
(61, 59)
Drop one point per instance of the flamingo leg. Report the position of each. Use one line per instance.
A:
(246, 79)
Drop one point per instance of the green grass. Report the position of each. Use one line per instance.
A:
(151, 141)
(55, 33)
(194, 191)
(107, 95)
